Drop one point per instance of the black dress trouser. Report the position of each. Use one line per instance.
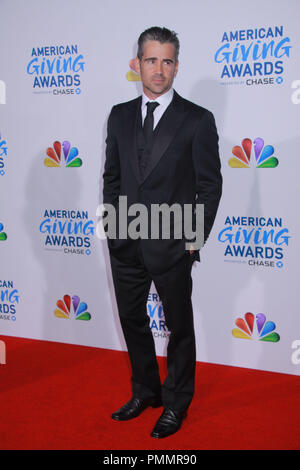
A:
(132, 284)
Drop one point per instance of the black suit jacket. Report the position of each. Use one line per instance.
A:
(183, 168)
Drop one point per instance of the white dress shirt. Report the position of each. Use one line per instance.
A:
(163, 100)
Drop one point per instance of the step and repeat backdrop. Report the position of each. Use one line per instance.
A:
(63, 65)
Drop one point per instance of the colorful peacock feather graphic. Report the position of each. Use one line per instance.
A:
(3, 235)
(264, 329)
(263, 154)
(70, 154)
(65, 310)
(132, 75)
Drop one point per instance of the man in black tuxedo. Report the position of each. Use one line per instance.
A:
(161, 149)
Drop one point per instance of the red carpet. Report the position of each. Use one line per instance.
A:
(60, 396)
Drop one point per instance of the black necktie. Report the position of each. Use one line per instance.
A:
(149, 120)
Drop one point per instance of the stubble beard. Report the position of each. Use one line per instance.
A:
(159, 89)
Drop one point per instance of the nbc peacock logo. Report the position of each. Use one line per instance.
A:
(3, 235)
(72, 308)
(263, 154)
(62, 155)
(132, 75)
(255, 327)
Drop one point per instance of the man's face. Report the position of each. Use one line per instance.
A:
(157, 68)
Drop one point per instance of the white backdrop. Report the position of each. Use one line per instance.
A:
(64, 63)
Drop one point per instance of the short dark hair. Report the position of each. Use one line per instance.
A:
(161, 35)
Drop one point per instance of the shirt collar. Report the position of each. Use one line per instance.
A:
(164, 99)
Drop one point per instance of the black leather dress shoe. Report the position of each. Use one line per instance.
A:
(168, 423)
(134, 408)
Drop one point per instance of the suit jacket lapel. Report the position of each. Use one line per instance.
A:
(165, 132)
(134, 115)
